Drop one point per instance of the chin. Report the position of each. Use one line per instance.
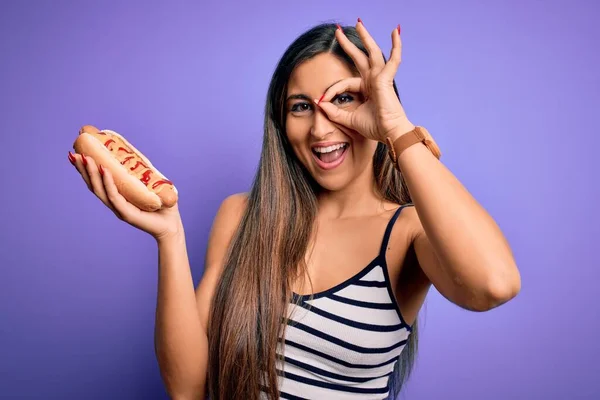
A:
(332, 184)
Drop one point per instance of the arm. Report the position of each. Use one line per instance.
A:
(458, 245)
(181, 340)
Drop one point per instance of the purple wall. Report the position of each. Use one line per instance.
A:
(510, 89)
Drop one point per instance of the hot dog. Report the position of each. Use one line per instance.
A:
(134, 175)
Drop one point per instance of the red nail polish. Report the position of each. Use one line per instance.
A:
(359, 20)
(339, 27)
(101, 170)
(398, 29)
(83, 160)
(71, 158)
(321, 99)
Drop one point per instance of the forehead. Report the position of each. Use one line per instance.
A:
(314, 76)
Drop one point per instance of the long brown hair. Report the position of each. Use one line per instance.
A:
(266, 255)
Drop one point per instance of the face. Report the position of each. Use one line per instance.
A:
(334, 155)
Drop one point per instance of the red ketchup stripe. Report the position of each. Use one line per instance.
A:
(161, 182)
(147, 175)
(138, 164)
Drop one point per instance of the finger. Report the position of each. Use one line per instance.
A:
(391, 68)
(360, 59)
(336, 114)
(97, 183)
(127, 211)
(80, 165)
(345, 85)
(375, 55)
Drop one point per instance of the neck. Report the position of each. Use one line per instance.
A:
(359, 198)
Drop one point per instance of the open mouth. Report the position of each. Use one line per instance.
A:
(330, 156)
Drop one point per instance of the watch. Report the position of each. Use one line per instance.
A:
(417, 135)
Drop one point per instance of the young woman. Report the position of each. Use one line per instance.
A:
(314, 279)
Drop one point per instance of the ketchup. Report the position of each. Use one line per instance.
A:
(161, 182)
(127, 159)
(146, 177)
(125, 150)
(136, 165)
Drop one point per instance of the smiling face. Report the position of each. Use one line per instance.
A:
(334, 155)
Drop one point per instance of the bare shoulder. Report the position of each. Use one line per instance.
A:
(225, 223)
(410, 219)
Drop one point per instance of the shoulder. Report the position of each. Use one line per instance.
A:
(407, 221)
(225, 223)
(232, 208)
(409, 218)
(402, 231)
(406, 230)
(234, 202)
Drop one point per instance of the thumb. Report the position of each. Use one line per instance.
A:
(336, 114)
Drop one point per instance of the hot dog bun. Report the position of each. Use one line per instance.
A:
(135, 177)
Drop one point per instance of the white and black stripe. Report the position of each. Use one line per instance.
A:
(344, 342)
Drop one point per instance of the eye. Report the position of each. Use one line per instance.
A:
(300, 107)
(343, 99)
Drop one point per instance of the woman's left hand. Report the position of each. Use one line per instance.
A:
(381, 114)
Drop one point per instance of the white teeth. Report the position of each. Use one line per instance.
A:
(329, 149)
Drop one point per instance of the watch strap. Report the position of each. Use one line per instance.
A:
(418, 135)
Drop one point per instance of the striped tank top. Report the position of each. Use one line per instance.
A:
(345, 341)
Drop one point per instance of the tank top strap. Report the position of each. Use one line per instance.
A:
(388, 229)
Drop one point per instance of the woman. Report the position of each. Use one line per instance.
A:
(329, 257)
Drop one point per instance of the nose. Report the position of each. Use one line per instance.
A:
(322, 126)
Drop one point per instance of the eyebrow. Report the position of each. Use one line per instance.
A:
(305, 97)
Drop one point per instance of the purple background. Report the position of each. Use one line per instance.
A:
(509, 89)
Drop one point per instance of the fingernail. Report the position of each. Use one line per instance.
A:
(83, 160)
(339, 27)
(359, 20)
(321, 99)
(398, 29)
(101, 170)
(71, 158)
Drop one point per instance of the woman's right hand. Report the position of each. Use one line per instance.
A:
(160, 224)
